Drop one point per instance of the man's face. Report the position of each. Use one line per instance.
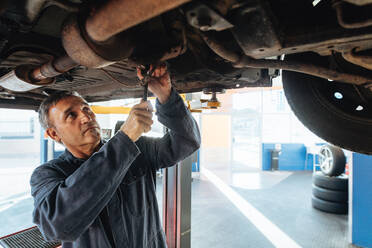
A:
(74, 124)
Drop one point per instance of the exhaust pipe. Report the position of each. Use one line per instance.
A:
(94, 43)
(19, 80)
(99, 41)
(116, 16)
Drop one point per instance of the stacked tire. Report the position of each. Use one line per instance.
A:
(330, 194)
(330, 185)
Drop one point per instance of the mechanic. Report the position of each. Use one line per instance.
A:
(99, 194)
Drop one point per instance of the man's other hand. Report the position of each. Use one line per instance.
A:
(139, 121)
(159, 83)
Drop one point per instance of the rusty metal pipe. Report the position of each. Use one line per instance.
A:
(21, 80)
(64, 63)
(244, 61)
(340, 18)
(361, 60)
(53, 68)
(36, 75)
(220, 50)
(112, 18)
(118, 15)
(306, 68)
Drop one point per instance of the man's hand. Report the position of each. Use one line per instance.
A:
(159, 83)
(139, 121)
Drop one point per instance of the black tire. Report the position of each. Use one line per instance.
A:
(339, 183)
(329, 207)
(334, 167)
(330, 109)
(330, 195)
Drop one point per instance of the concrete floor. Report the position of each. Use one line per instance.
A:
(268, 209)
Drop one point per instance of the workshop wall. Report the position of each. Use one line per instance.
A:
(216, 138)
(291, 158)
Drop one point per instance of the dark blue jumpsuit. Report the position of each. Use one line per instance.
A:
(109, 199)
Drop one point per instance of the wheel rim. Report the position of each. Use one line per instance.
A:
(325, 160)
(351, 101)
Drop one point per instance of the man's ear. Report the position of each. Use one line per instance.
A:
(52, 133)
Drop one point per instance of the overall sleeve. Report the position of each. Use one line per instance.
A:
(182, 139)
(66, 206)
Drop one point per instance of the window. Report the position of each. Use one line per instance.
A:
(19, 156)
(17, 124)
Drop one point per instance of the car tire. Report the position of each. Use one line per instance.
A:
(332, 160)
(339, 113)
(330, 195)
(329, 207)
(339, 183)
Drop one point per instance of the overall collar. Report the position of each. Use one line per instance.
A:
(71, 159)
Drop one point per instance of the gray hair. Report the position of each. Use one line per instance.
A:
(51, 101)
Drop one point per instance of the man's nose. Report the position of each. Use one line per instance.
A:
(85, 117)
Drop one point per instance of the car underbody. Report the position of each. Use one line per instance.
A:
(94, 47)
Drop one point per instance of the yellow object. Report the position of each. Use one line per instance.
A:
(110, 110)
(213, 105)
(195, 110)
(183, 96)
(125, 110)
(208, 104)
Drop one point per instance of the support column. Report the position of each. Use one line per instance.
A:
(177, 204)
(43, 147)
(360, 200)
(50, 149)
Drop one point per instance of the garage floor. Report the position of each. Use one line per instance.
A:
(239, 206)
